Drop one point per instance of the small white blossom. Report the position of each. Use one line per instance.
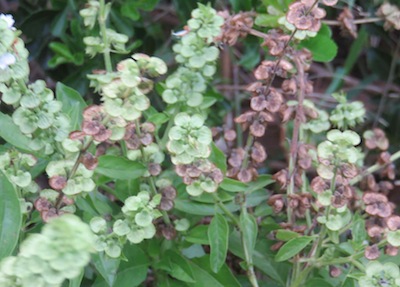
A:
(180, 33)
(9, 19)
(6, 60)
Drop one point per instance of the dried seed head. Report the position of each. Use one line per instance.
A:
(347, 25)
(281, 177)
(274, 101)
(168, 232)
(304, 15)
(329, 2)
(245, 175)
(277, 246)
(91, 127)
(275, 41)
(334, 271)
(385, 186)
(393, 222)
(42, 204)
(258, 103)
(103, 135)
(169, 192)
(229, 135)
(372, 252)
(258, 153)
(377, 204)
(375, 231)
(58, 182)
(349, 170)
(277, 202)
(319, 185)
(47, 215)
(89, 161)
(154, 168)
(235, 26)
(376, 138)
(391, 250)
(289, 86)
(77, 135)
(166, 204)
(146, 138)
(287, 113)
(257, 129)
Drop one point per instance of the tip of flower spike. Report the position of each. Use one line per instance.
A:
(6, 60)
(8, 19)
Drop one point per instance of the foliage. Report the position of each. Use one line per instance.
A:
(146, 164)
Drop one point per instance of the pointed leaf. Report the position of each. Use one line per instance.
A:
(10, 217)
(11, 133)
(107, 267)
(218, 232)
(218, 157)
(249, 229)
(119, 168)
(292, 247)
(72, 104)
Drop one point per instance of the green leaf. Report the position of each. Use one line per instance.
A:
(202, 277)
(62, 50)
(179, 267)
(218, 157)
(76, 282)
(10, 133)
(72, 104)
(119, 168)
(107, 267)
(292, 247)
(10, 217)
(198, 235)
(260, 182)
(322, 47)
(317, 282)
(133, 271)
(249, 229)
(261, 259)
(358, 231)
(158, 119)
(266, 20)
(286, 235)
(223, 276)
(232, 185)
(183, 203)
(218, 232)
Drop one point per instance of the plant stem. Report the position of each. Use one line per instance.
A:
(73, 171)
(388, 83)
(103, 32)
(357, 21)
(248, 256)
(294, 145)
(151, 180)
(249, 143)
(374, 168)
(225, 210)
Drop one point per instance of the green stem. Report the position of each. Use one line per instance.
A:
(299, 280)
(103, 32)
(374, 168)
(225, 210)
(248, 256)
(249, 143)
(164, 139)
(73, 170)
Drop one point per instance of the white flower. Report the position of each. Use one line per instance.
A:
(6, 60)
(9, 19)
